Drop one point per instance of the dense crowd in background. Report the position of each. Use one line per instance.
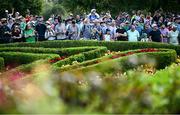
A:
(135, 26)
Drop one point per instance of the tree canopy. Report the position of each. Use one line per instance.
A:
(35, 6)
(120, 5)
(81, 6)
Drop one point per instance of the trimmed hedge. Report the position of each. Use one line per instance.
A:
(113, 46)
(30, 66)
(163, 59)
(1, 63)
(82, 57)
(79, 57)
(24, 58)
(60, 51)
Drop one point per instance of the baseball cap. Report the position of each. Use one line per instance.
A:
(154, 25)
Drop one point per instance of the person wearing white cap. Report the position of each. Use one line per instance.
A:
(93, 15)
(133, 34)
(173, 36)
(155, 35)
(50, 33)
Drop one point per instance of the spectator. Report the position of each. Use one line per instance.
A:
(60, 30)
(155, 35)
(164, 32)
(5, 32)
(50, 33)
(73, 31)
(93, 15)
(173, 36)
(17, 34)
(29, 34)
(121, 34)
(22, 23)
(97, 31)
(86, 30)
(133, 34)
(107, 36)
(40, 29)
(126, 26)
(10, 23)
(147, 29)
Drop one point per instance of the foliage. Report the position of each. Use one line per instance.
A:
(23, 58)
(113, 46)
(99, 52)
(1, 63)
(159, 59)
(133, 92)
(115, 6)
(61, 51)
(21, 6)
(53, 9)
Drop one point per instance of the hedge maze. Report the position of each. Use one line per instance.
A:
(85, 56)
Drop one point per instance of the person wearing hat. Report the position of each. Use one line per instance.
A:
(86, 29)
(173, 35)
(121, 34)
(10, 23)
(93, 15)
(5, 32)
(16, 34)
(40, 30)
(107, 36)
(60, 30)
(164, 32)
(73, 31)
(29, 34)
(133, 34)
(97, 31)
(50, 33)
(155, 35)
(126, 25)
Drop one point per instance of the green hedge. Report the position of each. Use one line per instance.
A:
(1, 63)
(162, 58)
(30, 66)
(114, 46)
(82, 57)
(24, 58)
(60, 51)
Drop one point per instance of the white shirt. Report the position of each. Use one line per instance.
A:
(107, 37)
(60, 31)
(133, 36)
(173, 37)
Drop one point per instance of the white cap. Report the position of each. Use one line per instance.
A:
(174, 26)
(169, 23)
(93, 10)
(154, 25)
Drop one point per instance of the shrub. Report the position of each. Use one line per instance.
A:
(113, 46)
(24, 58)
(1, 63)
(60, 51)
(162, 58)
(82, 57)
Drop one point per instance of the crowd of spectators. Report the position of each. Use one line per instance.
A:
(135, 26)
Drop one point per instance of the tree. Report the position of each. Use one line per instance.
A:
(35, 6)
(115, 6)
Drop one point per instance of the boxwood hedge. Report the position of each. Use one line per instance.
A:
(163, 58)
(60, 51)
(1, 63)
(24, 58)
(82, 57)
(113, 46)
